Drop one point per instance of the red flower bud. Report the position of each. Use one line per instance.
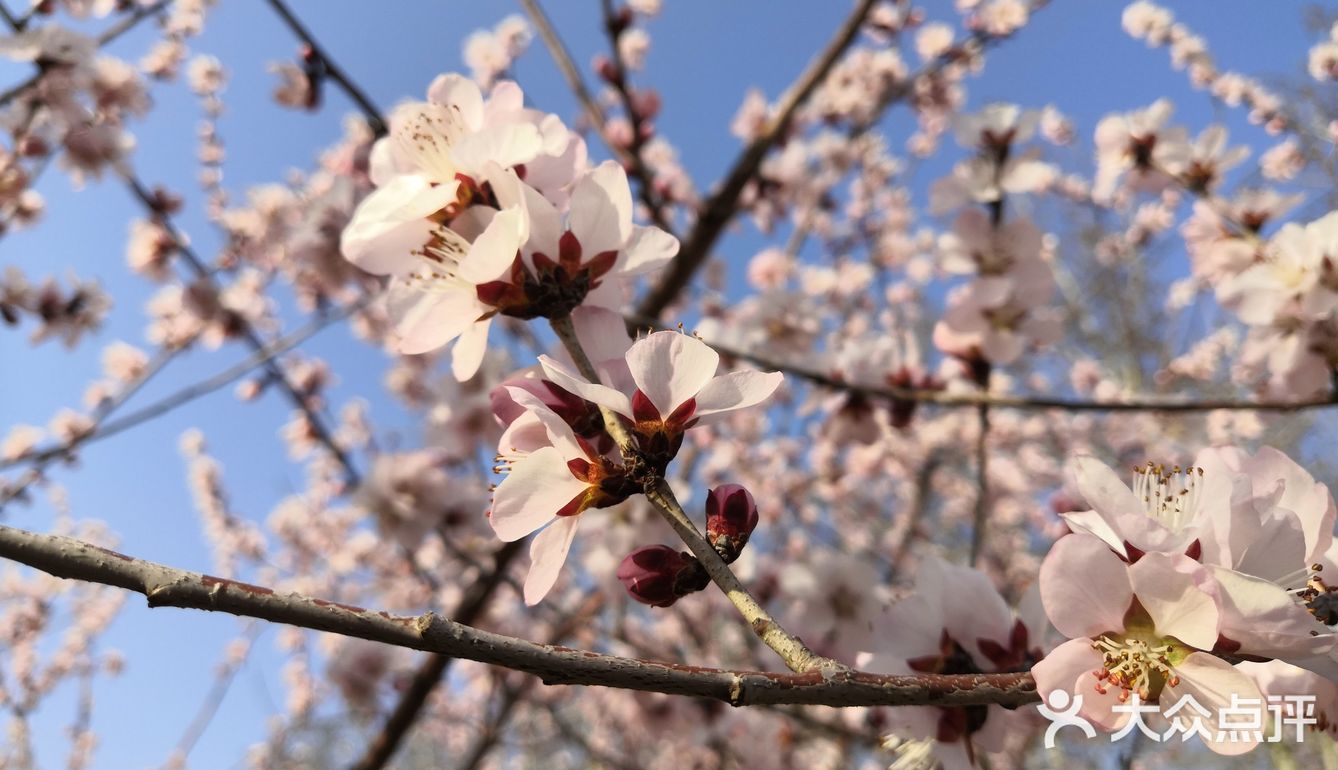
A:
(731, 517)
(657, 575)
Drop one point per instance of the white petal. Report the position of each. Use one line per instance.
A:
(650, 248)
(462, 95)
(592, 392)
(1266, 619)
(736, 390)
(548, 552)
(1103, 490)
(390, 223)
(507, 146)
(492, 253)
(1093, 523)
(1211, 682)
(426, 320)
(545, 224)
(538, 486)
(671, 368)
(601, 210)
(1166, 586)
(467, 355)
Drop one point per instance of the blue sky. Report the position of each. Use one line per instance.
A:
(704, 57)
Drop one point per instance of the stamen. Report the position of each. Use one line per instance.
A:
(1169, 495)
(1133, 665)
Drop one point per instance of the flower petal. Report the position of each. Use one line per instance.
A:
(537, 487)
(391, 223)
(491, 255)
(1266, 619)
(1168, 587)
(1103, 490)
(670, 368)
(650, 248)
(548, 552)
(467, 355)
(1211, 682)
(601, 210)
(593, 392)
(734, 391)
(426, 320)
(1085, 588)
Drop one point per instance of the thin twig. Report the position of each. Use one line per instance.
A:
(192, 392)
(981, 512)
(717, 212)
(995, 400)
(797, 656)
(165, 586)
(636, 159)
(332, 70)
(248, 333)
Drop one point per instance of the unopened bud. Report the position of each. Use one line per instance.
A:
(731, 517)
(607, 70)
(657, 575)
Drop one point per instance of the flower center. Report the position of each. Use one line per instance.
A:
(1134, 665)
(1169, 495)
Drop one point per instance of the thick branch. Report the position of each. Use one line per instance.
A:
(168, 587)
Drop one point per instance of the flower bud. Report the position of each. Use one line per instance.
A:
(731, 516)
(657, 575)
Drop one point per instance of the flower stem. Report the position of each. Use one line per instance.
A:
(791, 648)
(566, 332)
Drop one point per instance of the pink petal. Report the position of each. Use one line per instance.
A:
(734, 391)
(1060, 669)
(537, 487)
(601, 210)
(671, 368)
(548, 552)
(1168, 587)
(1085, 588)
(559, 432)
(1103, 490)
(1308, 499)
(1266, 619)
(1211, 682)
(602, 332)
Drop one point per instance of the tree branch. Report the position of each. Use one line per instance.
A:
(717, 212)
(165, 586)
(332, 70)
